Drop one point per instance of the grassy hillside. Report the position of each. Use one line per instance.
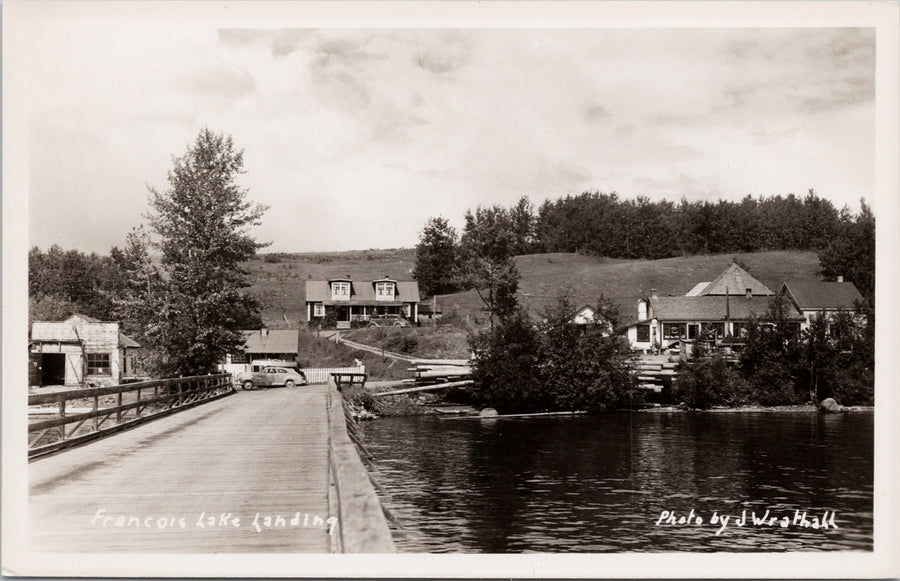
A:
(279, 279)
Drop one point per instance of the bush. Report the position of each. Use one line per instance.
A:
(329, 321)
(709, 382)
(507, 366)
(556, 365)
(360, 398)
(852, 386)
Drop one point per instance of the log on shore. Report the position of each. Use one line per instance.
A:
(424, 388)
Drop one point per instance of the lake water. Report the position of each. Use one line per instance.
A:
(601, 484)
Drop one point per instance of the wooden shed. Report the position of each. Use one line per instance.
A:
(79, 351)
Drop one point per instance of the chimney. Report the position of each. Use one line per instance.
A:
(653, 295)
(749, 293)
(642, 310)
(840, 279)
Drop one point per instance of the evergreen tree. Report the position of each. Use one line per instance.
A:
(203, 220)
(141, 289)
(851, 253)
(437, 258)
(523, 224)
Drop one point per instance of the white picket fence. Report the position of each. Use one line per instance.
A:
(321, 374)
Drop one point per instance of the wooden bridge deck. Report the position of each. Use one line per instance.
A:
(254, 453)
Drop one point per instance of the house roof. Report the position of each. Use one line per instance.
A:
(126, 341)
(274, 341)
(72, 331)
(698, 288)
(361, 292)
(735, 281)
(822, 295)
(712, 308)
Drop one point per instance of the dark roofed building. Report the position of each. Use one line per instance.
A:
(360, 300)
(812, 298)
(275, 345)
(722, 308)
(271, 344)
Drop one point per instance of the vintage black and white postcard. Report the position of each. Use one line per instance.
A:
(481, 289)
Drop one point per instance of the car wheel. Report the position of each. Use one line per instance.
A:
(247, 385)
(289, 383)
(373, 325)
(398, 324)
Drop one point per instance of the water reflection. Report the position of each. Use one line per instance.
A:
(600, 484)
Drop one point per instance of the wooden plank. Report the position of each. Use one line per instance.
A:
(445, 373)
(35, 452)
(243, 454)
(44, 398)
(534, 415)
(424, 388)
(442, 361)
(363, 528)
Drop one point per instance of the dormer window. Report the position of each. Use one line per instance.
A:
(384, 291)
(340, 290)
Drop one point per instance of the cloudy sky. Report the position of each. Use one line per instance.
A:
(355, 137)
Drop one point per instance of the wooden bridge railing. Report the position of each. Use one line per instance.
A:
(134, 403)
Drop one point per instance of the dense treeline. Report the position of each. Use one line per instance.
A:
(62, 282)
(606, 225)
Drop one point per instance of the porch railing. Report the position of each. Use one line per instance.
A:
(132, 404)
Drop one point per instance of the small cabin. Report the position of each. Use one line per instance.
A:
(80, 351)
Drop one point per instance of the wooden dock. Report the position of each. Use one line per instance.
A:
(253, 472)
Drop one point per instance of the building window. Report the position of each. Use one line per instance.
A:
(715, 329)
(740, 330)
(239, 358)
(98, 364)
(384, 290)
(673, 330)
(340, 290)
(318, 310)
(643, 333)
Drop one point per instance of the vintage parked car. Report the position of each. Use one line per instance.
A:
(388, 321)
(269, 376)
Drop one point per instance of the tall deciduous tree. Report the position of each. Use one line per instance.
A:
(437, 258)
(488, 245)
(202, 219)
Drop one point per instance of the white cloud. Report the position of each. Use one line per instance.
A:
(356, 137)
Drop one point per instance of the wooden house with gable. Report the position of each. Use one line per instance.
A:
(360, 300)
(80, 351)
(814, 298)
(719, 309)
